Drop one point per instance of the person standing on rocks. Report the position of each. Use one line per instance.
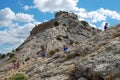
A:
(43, 53)
(105, 26)
(65, 48)
(14, 66)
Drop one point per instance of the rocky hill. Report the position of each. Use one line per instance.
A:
(92, 54)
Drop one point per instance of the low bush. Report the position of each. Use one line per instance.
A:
(71, 42)
(17, 76)
(2, 56)
(84, 23)
(116, 35)
(52, 52)
(70, 69)
(11, 55)
(59, 38)
(27, 59)
(56, 23)
(13, 60)
(57, 50)
(64, 24)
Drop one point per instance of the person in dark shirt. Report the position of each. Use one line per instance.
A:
(105, 26)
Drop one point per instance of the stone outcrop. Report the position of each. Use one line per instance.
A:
(49, 24)
(104, 62)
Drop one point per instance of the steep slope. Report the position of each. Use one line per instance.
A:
(104, 62)
(92, 54)
(65, 29)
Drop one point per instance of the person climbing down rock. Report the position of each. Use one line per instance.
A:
(43, 55)
(65, 48)
(14, 66)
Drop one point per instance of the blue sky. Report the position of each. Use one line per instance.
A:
(18, 17)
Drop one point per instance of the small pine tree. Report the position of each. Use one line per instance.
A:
(56, 23)
(84, 23)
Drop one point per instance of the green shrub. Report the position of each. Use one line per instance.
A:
(56, 50)
(64, 24)
(59, 38)
(114, 35)
(71, 42)
(52, 52)
(84, 23)
(3, 56)
(27, 59)
(65, 37)
(56, 23)
(11, 55)
(17, 49)
(93, 28)
(17, 76)
(14, 60)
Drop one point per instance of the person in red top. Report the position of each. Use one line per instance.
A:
(14, 66)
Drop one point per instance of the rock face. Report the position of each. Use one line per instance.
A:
(104, 62)
(92, 54)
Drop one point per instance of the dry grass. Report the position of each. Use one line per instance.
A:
(70, 69)
(85, 52)
(100, 46)
(112, 76)
(114, 35)
(97, 76)
(84, 55)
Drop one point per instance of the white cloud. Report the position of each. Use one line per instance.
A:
(96, 16)
(51, 6)
(6, 17)
(109, 13)
(24, 17)
(26, 7)
(99, 15)
(14, 36)
(15, 33)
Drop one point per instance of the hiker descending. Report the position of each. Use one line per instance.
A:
(14, 66)
(105, 26)
(43, 55)
(23, 62)
(65, 48)
(17, 64)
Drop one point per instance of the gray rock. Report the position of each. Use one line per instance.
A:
(92, 54)
(82, 78)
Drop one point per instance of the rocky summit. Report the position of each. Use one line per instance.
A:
(92, 54)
